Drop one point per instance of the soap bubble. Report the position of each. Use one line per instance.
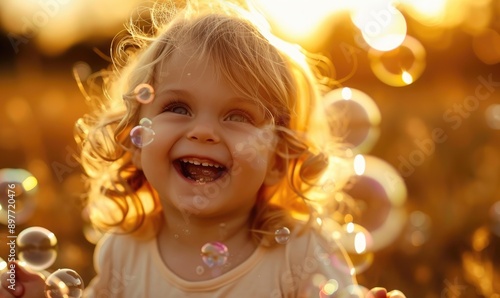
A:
(214, 254)
(17, 193)
(377, 185)
(144, 93)
(353, 115)
(282, 235)
(142, 134)
(36, 247)
(64, 283)
(401, 66)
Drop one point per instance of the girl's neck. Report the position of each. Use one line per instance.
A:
(190, 230)
(181, 238)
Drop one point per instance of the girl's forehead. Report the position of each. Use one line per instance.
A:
(182, 60)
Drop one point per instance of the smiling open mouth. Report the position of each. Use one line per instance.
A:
(199, 171)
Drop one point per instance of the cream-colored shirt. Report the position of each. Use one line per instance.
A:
(304, 266)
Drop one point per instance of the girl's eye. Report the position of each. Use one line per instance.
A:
(239, 117)
(177, 108)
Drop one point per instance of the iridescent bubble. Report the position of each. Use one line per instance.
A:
(380, 193)
(358, 244)
(142, 134)
(17, 195)
(214, 254)
(144, 93)
(36, 246)
(401, 66)
(282, 235)
(64, 283)
(354, 116)
(355, 238)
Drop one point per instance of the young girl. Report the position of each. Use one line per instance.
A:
(206, 162)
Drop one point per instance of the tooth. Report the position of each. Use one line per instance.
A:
(205, 164)
(196, 162)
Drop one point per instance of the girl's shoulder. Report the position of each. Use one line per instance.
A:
(308, 246)
(310, 258)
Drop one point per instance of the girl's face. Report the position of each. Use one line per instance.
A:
(212, 150)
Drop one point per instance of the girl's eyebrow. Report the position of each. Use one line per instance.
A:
(177, 92)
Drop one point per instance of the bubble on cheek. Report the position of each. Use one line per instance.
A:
(144, 93)
(64, 283)
(282, 235)
(37, 247)
(214, 254)
(142, 134)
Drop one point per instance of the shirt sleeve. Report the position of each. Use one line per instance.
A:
(319, 268)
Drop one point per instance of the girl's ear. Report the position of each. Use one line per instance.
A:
(275, 171)
(136, 158)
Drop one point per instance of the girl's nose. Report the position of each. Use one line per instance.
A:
(203, 132)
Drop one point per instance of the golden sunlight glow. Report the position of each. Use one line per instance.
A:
(302, 21)
(330, 287)
(349, 227)
(359, 165)
(52, 26)
(429, 12)
(360, 243)
(3, 265)
(406, 77)
(29, 183)
(346, 93)
(383, 26)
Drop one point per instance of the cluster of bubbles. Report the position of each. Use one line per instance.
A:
(215, 254)
(373, 184)
(143, 134)
(37, 250)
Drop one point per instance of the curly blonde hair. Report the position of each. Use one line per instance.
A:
(276, 75)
